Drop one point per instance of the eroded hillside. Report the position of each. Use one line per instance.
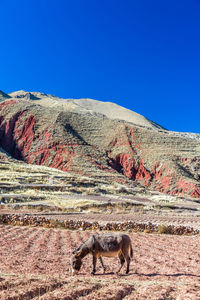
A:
(90, 143)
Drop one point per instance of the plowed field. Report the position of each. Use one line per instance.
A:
(34, 264)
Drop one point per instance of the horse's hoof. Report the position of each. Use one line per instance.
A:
(92, 273)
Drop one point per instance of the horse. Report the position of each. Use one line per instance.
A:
(108, 245)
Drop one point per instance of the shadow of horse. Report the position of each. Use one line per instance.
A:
(159, 274)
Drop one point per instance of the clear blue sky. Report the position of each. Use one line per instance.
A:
(141, 54)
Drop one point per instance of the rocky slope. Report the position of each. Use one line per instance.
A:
(99, 139)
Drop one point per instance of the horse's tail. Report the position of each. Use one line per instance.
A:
(131, 251)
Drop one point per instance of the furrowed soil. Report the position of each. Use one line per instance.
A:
(35, 264)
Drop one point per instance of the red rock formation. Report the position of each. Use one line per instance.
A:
(6, 135)
(23, 133)
(143, 174)
(17, 134)
(163, 177)
(184, 186)
(125, 163)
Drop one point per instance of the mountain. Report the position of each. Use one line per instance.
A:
(99, 139)
(3, 96)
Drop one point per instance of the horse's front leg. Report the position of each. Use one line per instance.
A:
(94, 262)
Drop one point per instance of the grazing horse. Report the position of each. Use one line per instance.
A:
(109, 245)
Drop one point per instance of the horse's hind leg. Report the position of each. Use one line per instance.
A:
(102, 264)
(127, 258)
(122, 261)
(128, 263)
(94, 261)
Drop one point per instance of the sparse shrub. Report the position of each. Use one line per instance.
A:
(165, 229)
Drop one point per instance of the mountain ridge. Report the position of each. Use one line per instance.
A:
(86, 105)
(4, 96)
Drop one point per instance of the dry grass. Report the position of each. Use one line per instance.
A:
(31, 187)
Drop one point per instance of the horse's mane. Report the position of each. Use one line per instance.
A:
(79, 248)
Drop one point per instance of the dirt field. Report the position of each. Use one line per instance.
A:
(34, 264)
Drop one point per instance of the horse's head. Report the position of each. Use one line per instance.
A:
(76, 262)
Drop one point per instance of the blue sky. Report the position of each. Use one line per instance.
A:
(143, 55)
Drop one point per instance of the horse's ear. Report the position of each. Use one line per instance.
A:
(76, 250)
(78, 253)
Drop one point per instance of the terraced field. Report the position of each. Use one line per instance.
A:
(34, 264)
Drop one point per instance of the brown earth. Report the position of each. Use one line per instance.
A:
(34, 264)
